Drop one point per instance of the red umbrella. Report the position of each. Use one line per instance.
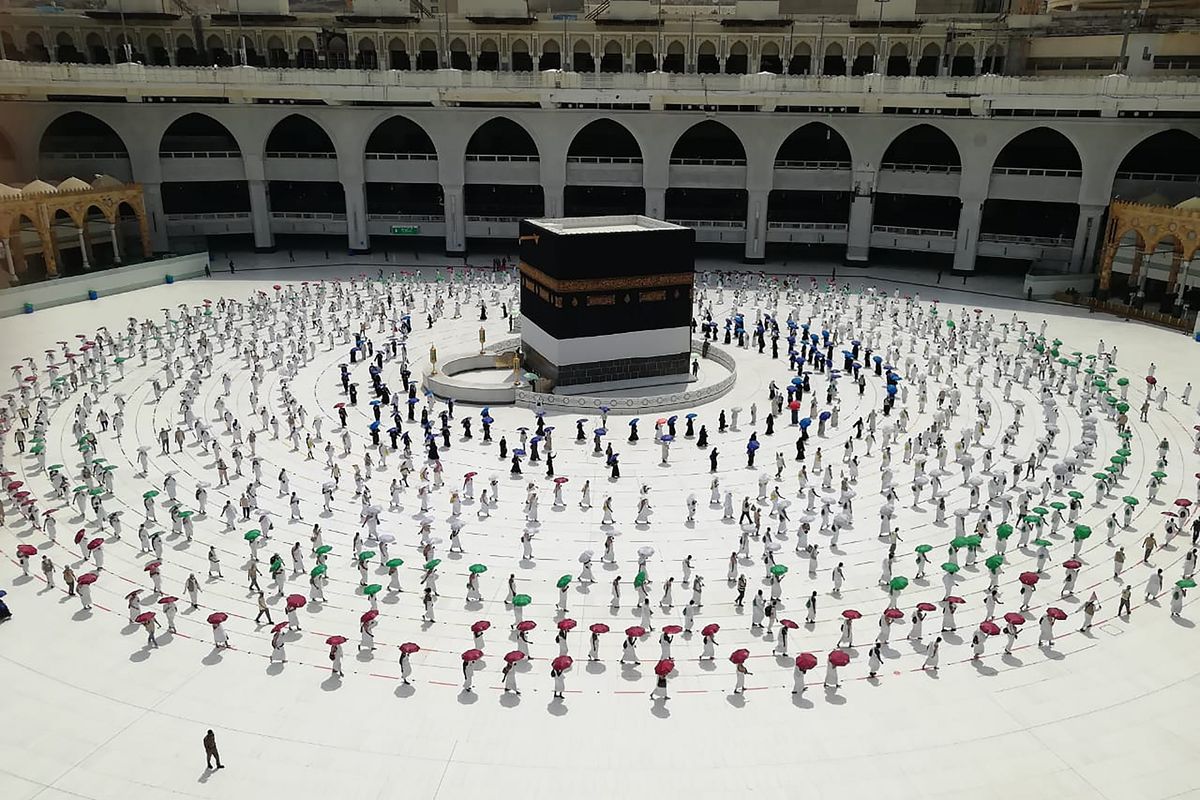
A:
(1072, 563)
(297, 601)
(664, 667)
(334, 641)
(12, 487)
(408, 648)
(790, 624)
(954, 601)
(152, 566)
(566, 624)
(144, 617)
(513, 656)
(839, 658)
(470, 475)
(526, 625)
(369, 615)
(710, 629)
(562, 662)
(87, 579)
(635, 631)
(806, 661)
(1183, 502)
(794, 405)
(893, 613)
(339, 405)
(162, 601)
(79, 534)
(598, 627)
(1150, 379)
(26, 550)
(279, 627)
(850, 613)
(1056, 613)
(990, 628)
(1013, 618)
(133, 594)
(561, 479)
(738, 656)
(472, 655)
(480, 626)
(217, 617)
(671, 630)
(926, 607)
(1028, 578)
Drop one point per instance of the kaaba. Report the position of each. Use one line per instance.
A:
(606, 300)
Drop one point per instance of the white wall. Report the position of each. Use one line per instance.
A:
(588, 349)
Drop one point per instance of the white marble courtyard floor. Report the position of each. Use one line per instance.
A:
(89, 712)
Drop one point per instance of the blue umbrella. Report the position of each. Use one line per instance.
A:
(797, 381)
(488, 420)
(605, 409)
(877, 359)
(412, 401)
(3, 593)
(825, 415)
(804, 423)
(672, 418)
(666, 437)
(548, 428)
(486, 411)
(752, 446)
(855, 342)
(539, 414)
(518, 452)
(394, 430)
(635, 420)
(600, 432)
(691, 415)
(580, 421)
(891, 389)
(535, 439)
(376, 402)
(522, 430)
(374, 425)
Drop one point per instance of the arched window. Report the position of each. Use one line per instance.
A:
(581, 57)
(277, 54)
(521, 60)
(217, 54)
(706, 59)
(489, 56)
(835, 60)
(964, 60)
(427, 55)
(367, 57)
(737, 62)
(927, 66)
(65, 49)
(898, 63)
(676, 58)
(801, 61)
(459, 58)
(769, 60)
(551, 55)
(306, 53)
(864, 62)
(398, 54)
(612, 61)
(185, 52)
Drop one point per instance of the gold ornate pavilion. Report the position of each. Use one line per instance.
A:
(1152, 226)
(44, 209)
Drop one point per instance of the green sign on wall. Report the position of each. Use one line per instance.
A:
(406, 230)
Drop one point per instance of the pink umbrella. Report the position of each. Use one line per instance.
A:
(87, 579)
(672, 630)
(144, 617)
(893, 613)
(562, 662)
(850, 613)
(94, 543)
(1072, 563)
(710, 629)
(133, 594)
(480, 626)
(560, 480)
(1013, 618)
(1150, 379)
(408, 648)
(664, 667)
(217, 618)
(1056, 613)
(297, 601)
(990, 628)
(926, 607)
(635, 631)
(738, 656)
(790, 624)
(152, 566)
(470, 475)
(954, 601)
(598, 627)
(566, 624)
(513, 656)
(806, 661)
(369, 615)
(26, 550)
(472, 655)
(334, 641)
(162, 601)
(526, 625)
(1183, 502)
(1028, 578)
(839, 658)
(279, 627)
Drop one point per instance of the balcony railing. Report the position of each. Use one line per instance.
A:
(811, 165)
(1180, 177)
(405, 218)
(502, 158)
(945, 169)
(309, 215)
(709, 223)
(476, 218)
(82, 155)
(603, 160)
(299, 154)
(1040, 241)
(808, 226)
(402, 156)
(199, 154)
(899, 230)
(708, 162)
(218, 216)
(1038, 172)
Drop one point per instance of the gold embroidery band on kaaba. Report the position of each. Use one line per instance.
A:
(605, 284)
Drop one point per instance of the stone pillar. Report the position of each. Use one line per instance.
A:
(8, 258)
(83, 250)
(456, 219)
(156, 218)
(1135, 271)
(858, 238)
(966, 240)
(356, 215)
(756, 226)
(260, 216)
(656, 202)
(552, 199)
(1087, 234)
(116, 244)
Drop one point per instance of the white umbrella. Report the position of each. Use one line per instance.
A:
(586, 556)
(646, 551)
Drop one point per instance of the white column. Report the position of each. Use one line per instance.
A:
(858, 238)
(8, 259)
(456, 220)
(260, 216)
(83, 250)
(156, 219)
(756, 226)
(552, 199)
(1087, 234)
(116, 245)
(356, 214)
(656, 202)
(966, 241)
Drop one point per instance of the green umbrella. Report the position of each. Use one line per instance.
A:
(1100, 476)
(1122, 381)
(950, 324)
(1129, 500)
(477, 569)
(974, 540)
(1158, 473)
(324, 549)
(1117, 459)
(1004, 531)
(1058, 505)
(108, 467)
(392, 563)
(79, 489)
(187, 514)
(98, 460)
(565, 581)
(318, 570)
(994, 563)
(1185, 583)
(640, 578)
(1112, 470)
(1075, 494)
(779, 570)
(54, 467)
(924, 548)
(150, 494)
(250, 536)
(1126, 435)
(96, 491)
(276, 563)
(1082, 532)
(372, 589)
(366, 555)
(1125, 451)
(38, 449)
(1122, 407)
(1032, 519)
(85, 448)
(1041, 512)
(1043, 542)
(958, 541)
(521, 600)
(432, 563)
(898, 583)
(950, 567)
